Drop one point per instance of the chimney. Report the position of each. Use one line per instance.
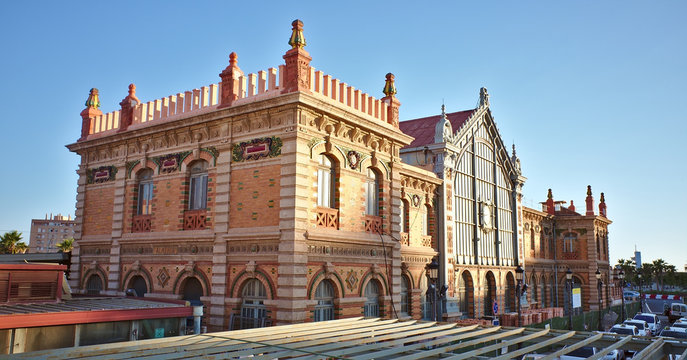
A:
(91, 111)
(590, 202)
(550, 206)
(602, 206)
(297, 69)
(127, 113)
(572, 206)
(391, 100)
(230, 82)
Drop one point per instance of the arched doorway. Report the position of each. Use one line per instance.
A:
(509, 305)
(324, 294)
(138, 283)
(535, 289)
(192, 290)
(466, 293)
(405, 295)
(371, 307)
(542, 291)
(425, 305)
(489, 293)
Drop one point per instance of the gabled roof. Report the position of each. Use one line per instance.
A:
(422, 129)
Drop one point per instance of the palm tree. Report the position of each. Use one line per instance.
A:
(66, 245)
(660, 267)
(10, 243)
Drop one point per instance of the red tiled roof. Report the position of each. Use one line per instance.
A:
(422, 129)
(566, 211)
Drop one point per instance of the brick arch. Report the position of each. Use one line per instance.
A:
(380, 167)
(202, 155)
(321, 276)
(144, 274)
(139, 167)
(185, 274)
(407, 273)
(97, 271)
(369, 275)
(243, 277)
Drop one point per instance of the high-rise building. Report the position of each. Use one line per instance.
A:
(47, 233)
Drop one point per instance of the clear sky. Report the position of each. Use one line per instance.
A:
(591, 92)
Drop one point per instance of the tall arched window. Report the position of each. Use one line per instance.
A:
(198, 185)
(94, 285)
(253, 310)
(404, 216)
(371, 308)
(427, 223)
(324, 294)
(405, 295)
(326, 175)
(372, 187)
(569, 241)
(532, 239)
(139, 284)
(542, 245)
(145, 192)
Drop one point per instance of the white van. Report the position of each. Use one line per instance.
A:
(677, 310)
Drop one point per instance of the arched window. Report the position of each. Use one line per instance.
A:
(371, 308)
(324, 294)
(490, 294)
(427, 223)
(139, 285)
(372, 187)
(405, 295)
(326, 175)
(145, 192)
(404, 216)
(532, 239)
(510, 294)
(192, 290)
(598, 247)
(253, 310)
(198, 185)
(534, 289)
(542, 245)
(94, 285)
(466, 294)
(425, 305)
(569, 241)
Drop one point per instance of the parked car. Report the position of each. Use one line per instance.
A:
(630, 295)
(679, 324)
(674, 332)
(625, 329)
(652, 320)
(641, 325)
(677, 310)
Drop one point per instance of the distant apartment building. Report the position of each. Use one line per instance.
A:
(47, 233)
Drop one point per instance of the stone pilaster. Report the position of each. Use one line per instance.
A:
(219, 248)
(75, 269)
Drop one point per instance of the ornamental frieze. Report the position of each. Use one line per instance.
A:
(94, 250)
(340, 251)
(101, 174)
(254, 248)
(256, 149)
(170, 163)
(166, 249)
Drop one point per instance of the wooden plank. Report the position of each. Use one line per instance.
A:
(506, 344)
(533, 347)
(572, 347)
(683, 356)
(608, 349)
(425, 333)
(649, 350)
(460, 345)
(246, 346)
(443, 339)
(346, 342)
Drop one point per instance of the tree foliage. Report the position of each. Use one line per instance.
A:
(66, 245)
(10, 243)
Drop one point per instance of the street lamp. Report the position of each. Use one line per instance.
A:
(598, 285)
(641, 306)
(621, 276)
(518, 277)
(433, 274)
(568, 278)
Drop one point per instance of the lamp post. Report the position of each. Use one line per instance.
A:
(641, 306)
(433, 273)
(621, 276)
(568, 278)
(598, 285)
(518, 277)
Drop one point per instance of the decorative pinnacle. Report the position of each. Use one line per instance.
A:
(589, 190)
(297, 39)
(603, 200)
(233, 59)
(93, 100)
(513, 149)
(549, 195)
(389, 86)
(483, 97)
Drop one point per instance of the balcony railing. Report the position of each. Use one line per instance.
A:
(142, 223)
(570, 256)
(328, 217)
(405, 239)
(426, 240)
(195, 219)
(373, 224)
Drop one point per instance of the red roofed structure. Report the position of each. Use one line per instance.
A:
(422, 129)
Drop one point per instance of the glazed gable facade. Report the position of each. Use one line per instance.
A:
(273, 197)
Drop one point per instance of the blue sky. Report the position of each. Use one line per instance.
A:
(592, 93)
